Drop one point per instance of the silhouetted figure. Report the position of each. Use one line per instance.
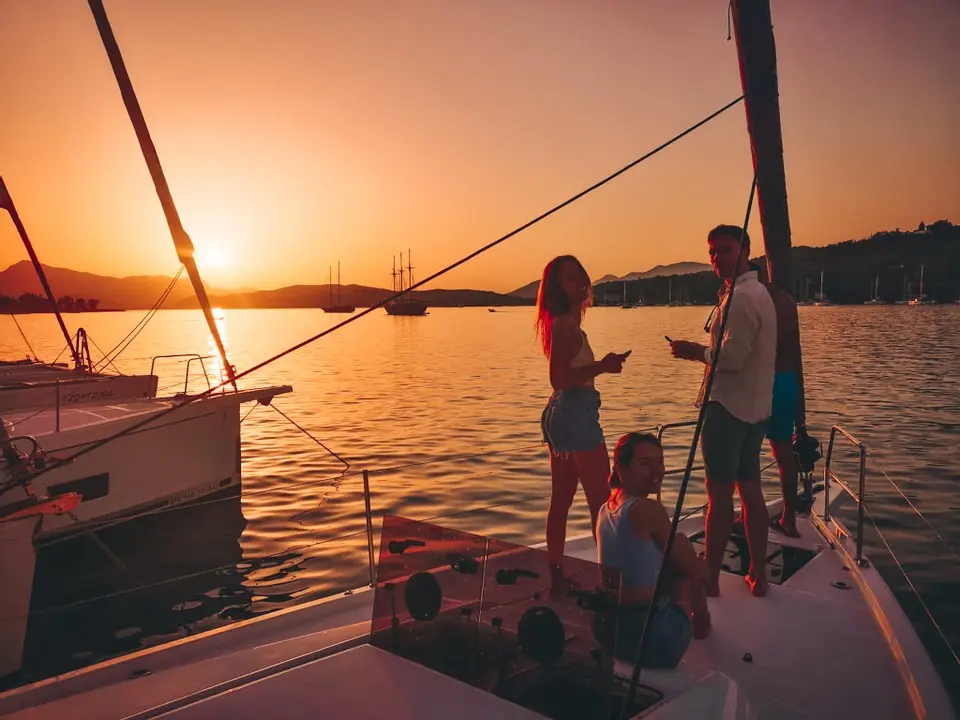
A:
(571, 419)
(738, 408)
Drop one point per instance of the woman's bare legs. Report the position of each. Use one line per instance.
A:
(593, 467)
(563, 488)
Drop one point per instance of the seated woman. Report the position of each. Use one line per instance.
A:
(632, 532)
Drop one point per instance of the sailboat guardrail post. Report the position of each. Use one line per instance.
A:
(369, 521)
(860, 493)
(829, 475)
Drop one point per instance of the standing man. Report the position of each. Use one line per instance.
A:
(738, 408)
(788, 408)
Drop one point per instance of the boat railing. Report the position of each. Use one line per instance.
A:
(830, 476)
(191, 358)
(887, 561)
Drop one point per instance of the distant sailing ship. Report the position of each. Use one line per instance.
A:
(404, 305)
(821, 298)
(920, 299)
(339, 307)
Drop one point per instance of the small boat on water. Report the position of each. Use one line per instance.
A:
(339, 306)
(109, 440)
(32, 383)
(920, 298)
(191, 455)
(821, 300)
(875, 294)
(404, 304)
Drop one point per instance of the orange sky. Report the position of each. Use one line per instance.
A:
(296, 133)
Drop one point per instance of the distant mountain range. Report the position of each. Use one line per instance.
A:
(126, 293)
(851, 270)
(530, 290)
(306, 296)
(142, 291)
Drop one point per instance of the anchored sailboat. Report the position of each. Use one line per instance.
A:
(161, 465)
(339, 306)
(33, 384)
(920, 298)
(821, 298)
(404, 305)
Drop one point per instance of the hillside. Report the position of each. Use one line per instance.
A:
(305, 296)
(142, 291)
(849, 270)
(530, 290)
(128, 293)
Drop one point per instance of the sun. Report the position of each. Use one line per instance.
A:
(211, 256)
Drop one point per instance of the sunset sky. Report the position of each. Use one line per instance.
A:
(298, 132)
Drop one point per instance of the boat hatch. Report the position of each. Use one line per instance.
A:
(783, 560)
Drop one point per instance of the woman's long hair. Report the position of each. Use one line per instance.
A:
(553, 301)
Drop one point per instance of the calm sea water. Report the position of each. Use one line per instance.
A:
(444, 410)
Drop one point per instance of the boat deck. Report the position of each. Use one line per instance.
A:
(815, 651)
(49, 420)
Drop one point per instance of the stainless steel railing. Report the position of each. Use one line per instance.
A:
(829, 475)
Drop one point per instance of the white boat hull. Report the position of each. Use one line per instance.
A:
(17, 563)
(186, 455)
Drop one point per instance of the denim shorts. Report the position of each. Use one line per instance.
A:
(571, 420)
(785, 391)
(670, 634)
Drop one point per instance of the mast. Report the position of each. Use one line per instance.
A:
(330, 283)
(338, 282)
(181, 241)
(6, 202)
(400, 289)
(758, 76)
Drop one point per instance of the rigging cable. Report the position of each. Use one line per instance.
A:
(114, 353)
(353, 318)
(24, 336)
(675, 521)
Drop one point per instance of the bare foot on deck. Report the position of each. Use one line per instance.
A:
(786, 526)
(758, 588)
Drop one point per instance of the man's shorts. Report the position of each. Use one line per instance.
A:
(784, 410)
(730, 446)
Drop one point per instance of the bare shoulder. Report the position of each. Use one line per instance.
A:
(565, 325)
(648, 511)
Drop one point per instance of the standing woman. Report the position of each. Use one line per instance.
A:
(571, 420)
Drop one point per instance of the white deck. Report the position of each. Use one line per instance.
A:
(45, 422)
(817, 652)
